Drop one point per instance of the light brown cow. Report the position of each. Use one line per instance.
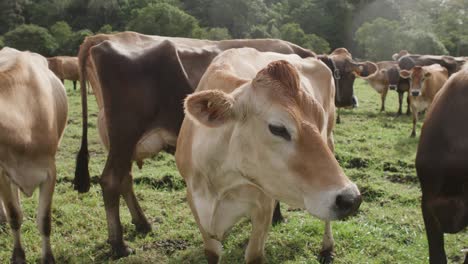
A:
(33, 115)
(259, 128)
(66, 68)
(379, 80)
(425, 82)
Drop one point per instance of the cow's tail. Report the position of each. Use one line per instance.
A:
(303, 53)
(82, 180)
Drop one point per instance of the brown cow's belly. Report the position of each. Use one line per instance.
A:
(150, 144)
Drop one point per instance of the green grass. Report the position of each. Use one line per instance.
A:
(374, 149)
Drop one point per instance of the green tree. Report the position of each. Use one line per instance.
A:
(423, 42)
(106, 29)
(2, 44)
(10, 15)
(380, 38)
(216, 34)
(61, 31)
(163, 19)
(72, 45)
(31, 37)
(293, 32)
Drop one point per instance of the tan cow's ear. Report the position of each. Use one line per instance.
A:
(211, 108)
(365, 69)
(405, 74)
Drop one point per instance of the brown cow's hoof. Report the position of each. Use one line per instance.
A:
(143, 228)
(48, 259)
(121, 251)
(211, 257)
(326, 257)
(18, 256)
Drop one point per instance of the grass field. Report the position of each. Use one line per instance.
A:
(373, 148)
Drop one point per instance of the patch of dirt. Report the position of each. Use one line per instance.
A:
(402, 178)
(370, 194)
(357, 163)
(166, 182)
(169, 246)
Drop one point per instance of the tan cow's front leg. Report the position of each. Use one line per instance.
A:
(10, 196)
(326, 254)
(261, 222)
(3, 218)
(46, 192)
(383, 97)
(213, 248)
(415, 120)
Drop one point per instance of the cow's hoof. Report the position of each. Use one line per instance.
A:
(143, 228)
(326, 257)
(18, 256)
(121, 251)
(211, 257)
(277, 216)
(48, 259)
(257, 260)
(413, 135)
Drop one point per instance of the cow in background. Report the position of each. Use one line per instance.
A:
(345, 70)
(442, 165)
(33, 115)
(425, 82)
(380, 80)
(66, 68)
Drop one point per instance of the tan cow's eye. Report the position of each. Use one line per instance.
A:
(280, 131)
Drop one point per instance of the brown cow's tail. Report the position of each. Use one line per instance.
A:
(82, 180)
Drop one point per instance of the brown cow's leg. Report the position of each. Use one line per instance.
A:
(338, 118)
(74, 85)
(138, 217)
(63, 81)
(111, 179)
(261, 222)
(435, 236)
(415, 120)
(44, 216)
(277, 216)
(10, 196)
(326, 254)
(400, 103)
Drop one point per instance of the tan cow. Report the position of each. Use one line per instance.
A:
(33, 115)
(425, 82)
(259, 128)
(66, 68)
(379, 80)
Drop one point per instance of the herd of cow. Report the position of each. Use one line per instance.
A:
(252, 121)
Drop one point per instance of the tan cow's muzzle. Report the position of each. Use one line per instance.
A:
(334, 204)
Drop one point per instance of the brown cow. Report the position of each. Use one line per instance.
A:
(66, 68)
(442, 165)
(140, 82)
(33, 115)
(425, 82)
(345, 70)
(408, 61)
(259, 128)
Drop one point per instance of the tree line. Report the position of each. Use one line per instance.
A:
(371, 29)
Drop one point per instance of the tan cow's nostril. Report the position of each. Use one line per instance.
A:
(347, 203)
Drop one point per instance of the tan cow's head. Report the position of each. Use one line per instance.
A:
(277, 141)
(417, 77)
